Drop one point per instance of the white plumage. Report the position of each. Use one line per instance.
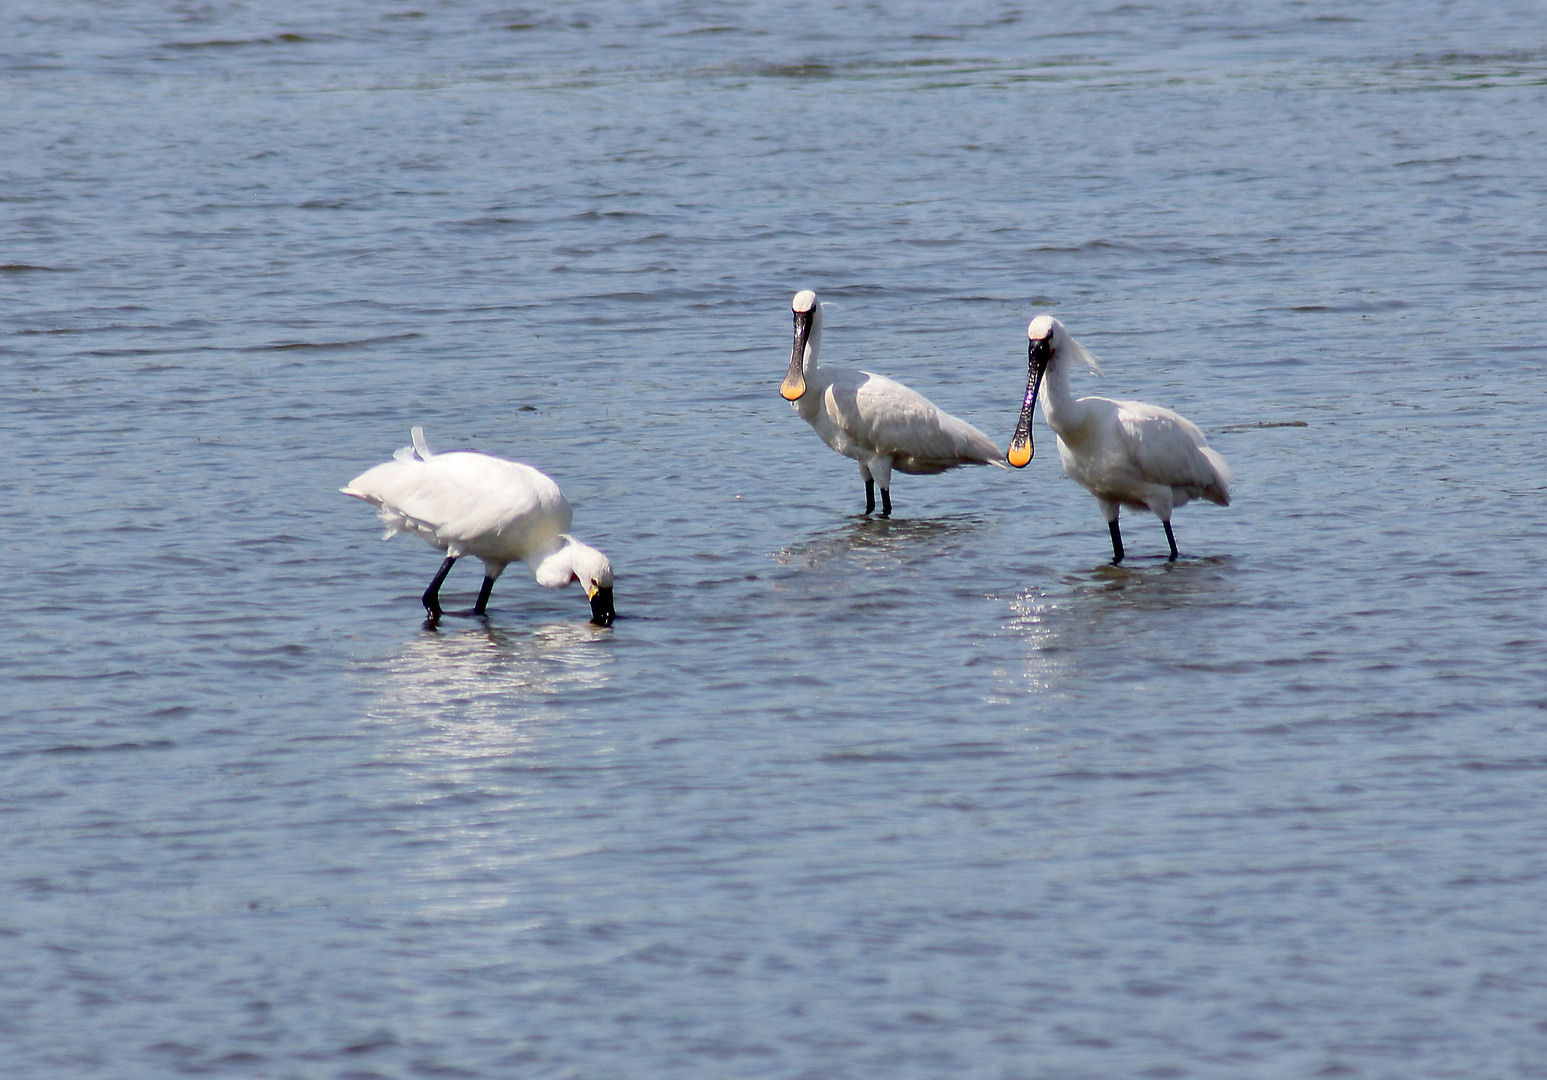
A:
(879, 423)
(465, 502)
(1125, 453)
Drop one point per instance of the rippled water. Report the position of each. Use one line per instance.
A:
(944, 795)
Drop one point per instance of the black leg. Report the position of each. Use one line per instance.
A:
(870, 496)
(1117, 541)
(483, 595)
(1170, 539)
(886, 503)
(432, 594)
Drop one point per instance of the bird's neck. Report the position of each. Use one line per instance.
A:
(553, 566)
(1063, 414)
(812, 347)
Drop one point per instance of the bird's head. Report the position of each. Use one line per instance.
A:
(1047, 342)
(808, 332)
(1043, 335)
(581, 562)
(1043, 328)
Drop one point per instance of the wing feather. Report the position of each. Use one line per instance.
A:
(890, 418)
(1169, 449)
(462, 496)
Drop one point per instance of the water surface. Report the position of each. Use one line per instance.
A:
(835, 797)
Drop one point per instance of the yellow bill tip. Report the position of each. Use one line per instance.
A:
(1019, 456)
(792, 390)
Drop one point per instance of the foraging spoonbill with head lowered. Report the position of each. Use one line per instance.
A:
(465, 502)
(1125, 453)
(879, 423)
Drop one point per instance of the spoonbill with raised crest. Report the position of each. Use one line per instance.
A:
(1125, 453)
(879, 423)
(466, 502)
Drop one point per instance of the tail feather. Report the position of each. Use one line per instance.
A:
(421, 445)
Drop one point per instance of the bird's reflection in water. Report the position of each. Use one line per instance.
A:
(1105, 621)
(882, 542)
(470, 722)
(1153, 583)
(478, 681)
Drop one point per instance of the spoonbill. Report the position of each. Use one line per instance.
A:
(879, 423)
(465, 502)
(1125, 453)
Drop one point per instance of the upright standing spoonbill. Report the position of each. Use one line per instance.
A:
(469, 503)
(879, 423)
(1125, 453)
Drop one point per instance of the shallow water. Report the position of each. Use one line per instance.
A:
(835, 797)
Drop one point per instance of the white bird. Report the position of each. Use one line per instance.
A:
(465, 502)
(1125, 453)
(879, 423)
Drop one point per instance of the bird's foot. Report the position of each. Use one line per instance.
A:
(434, 615)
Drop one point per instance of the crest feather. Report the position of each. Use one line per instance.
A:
(1083, 355)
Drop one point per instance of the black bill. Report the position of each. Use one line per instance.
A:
(1021, 448)
(794, 386)
(602, 613)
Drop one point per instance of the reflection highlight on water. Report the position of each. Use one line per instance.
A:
(486, 679)
(1109, 619)
(473, 732)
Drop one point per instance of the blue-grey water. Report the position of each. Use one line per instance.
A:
(940, 796)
